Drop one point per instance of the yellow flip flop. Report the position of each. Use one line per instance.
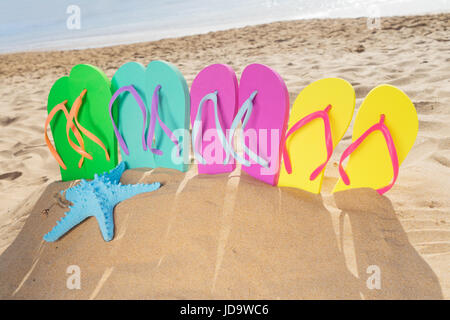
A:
(319, 119)
(385, 130)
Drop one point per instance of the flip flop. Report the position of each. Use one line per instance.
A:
(214, 97)
(319, 119)
(264, 100)
(130, 101)
(171, 107)
(154, 134)
(385, 130)
(88, 91)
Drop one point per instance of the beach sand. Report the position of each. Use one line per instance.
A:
(231, 236)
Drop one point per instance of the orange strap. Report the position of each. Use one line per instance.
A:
(73, 115)
(62, 107)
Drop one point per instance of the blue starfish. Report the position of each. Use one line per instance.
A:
(97, 198)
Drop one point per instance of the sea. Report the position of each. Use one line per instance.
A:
(35, 25)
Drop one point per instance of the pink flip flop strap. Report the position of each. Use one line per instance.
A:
(323, 114)
(391, 147)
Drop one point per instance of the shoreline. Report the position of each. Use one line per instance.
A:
(145, 46)
(189, 34)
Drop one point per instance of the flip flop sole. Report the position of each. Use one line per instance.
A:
(130, 120)
(220, 78)
(93, 115)
(268, 120)
(174, 110)
(370, 165)
(306, 146)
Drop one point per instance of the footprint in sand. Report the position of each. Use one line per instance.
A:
(441, 159)
(425, 107)
(5, 121)
(13, 175)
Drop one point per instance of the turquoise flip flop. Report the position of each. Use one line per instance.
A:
(174, 110)
(153, 118)
(132, 118)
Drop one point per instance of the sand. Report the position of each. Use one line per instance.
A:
(231, 236)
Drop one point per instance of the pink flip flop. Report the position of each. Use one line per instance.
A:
(263, 93)
(213, 107)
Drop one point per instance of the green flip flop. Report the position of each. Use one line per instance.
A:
(83, 96)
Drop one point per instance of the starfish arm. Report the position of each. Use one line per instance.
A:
(105, 214)
(77, 192)
(72, 218)
(124, 192)
(115, 174)
(105, 221)
(109, 195)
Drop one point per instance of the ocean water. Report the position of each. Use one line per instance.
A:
(47, 24)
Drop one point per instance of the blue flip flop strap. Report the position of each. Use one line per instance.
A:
(197, 124)
(247, 108)
(155, 116)
(141, 105)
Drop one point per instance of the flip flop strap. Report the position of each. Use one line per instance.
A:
(246, 109)
(381, 126)
(73, 115)
(151, 132)
(197, 124)
(141, 105)
(61, 107)
(322, 114)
